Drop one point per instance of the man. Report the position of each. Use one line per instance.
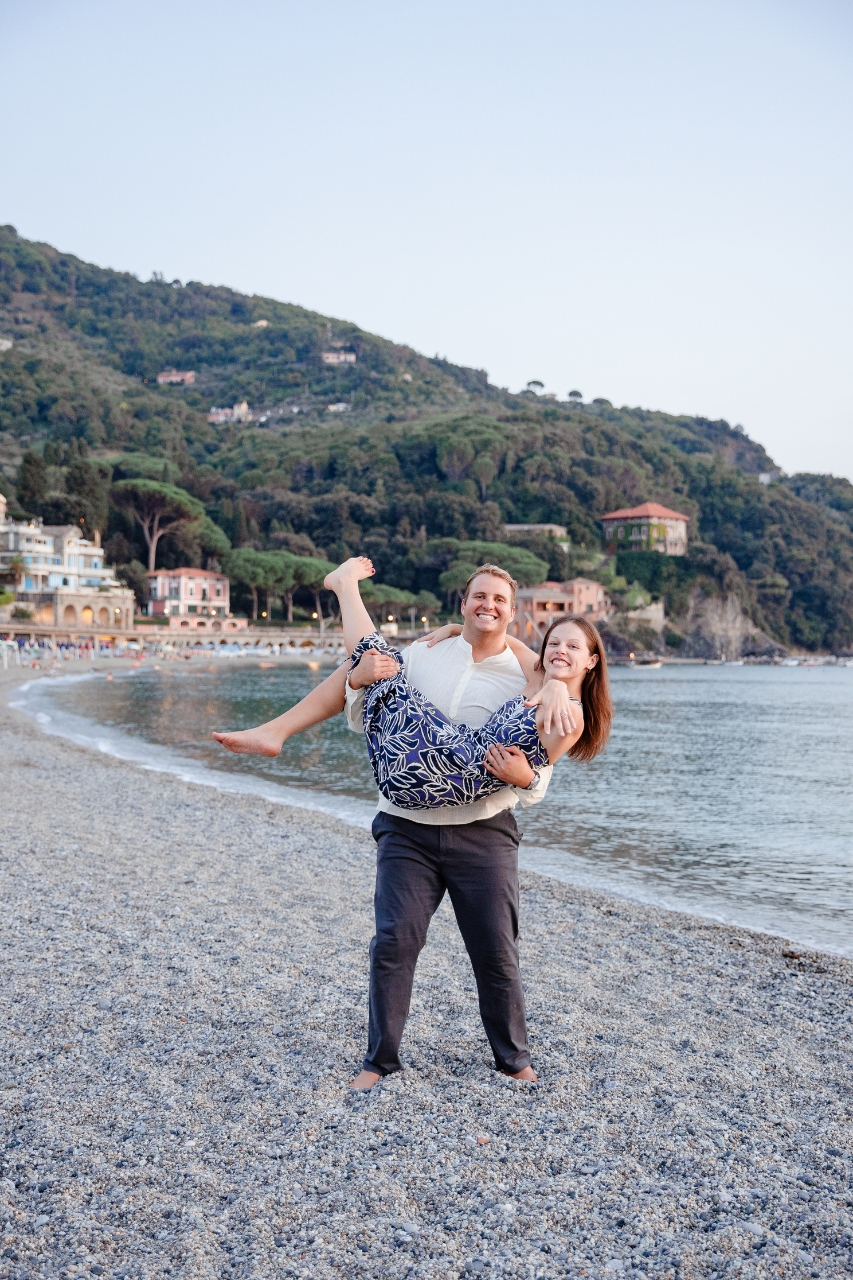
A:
(469, 851)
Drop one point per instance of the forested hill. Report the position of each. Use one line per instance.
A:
(426, 451)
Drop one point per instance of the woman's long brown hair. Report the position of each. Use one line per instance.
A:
(595, 691)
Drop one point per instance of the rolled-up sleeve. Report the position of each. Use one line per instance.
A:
(354, 709)
(527, 798)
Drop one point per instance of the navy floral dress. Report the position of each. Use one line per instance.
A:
(420, 759)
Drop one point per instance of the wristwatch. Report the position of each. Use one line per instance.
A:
(534, 781)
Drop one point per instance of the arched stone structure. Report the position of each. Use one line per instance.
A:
(69, 614)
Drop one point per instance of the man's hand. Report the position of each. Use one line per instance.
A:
(510, 764)
(556, 706)
(446, 632)
(373, 666)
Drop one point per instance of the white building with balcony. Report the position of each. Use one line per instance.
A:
(60, 577)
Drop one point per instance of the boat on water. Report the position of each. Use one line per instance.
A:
(653, 664)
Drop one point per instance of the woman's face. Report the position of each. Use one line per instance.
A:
(567, 653)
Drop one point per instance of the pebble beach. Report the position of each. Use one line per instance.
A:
(184, 1000)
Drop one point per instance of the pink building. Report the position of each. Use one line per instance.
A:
(181, 377)
(537, 607)
(178, 592)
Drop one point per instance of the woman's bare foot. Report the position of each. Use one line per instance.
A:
(365, 1079)
(356, 568)
(251, 742)
(526, 1073)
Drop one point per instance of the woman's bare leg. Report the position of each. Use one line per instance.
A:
(357, 622)
(320, 704)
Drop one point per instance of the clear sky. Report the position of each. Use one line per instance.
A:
(648, 200)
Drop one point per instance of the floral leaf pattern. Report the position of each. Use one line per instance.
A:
(420, 759)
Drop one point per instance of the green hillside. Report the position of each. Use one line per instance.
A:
(427, 456)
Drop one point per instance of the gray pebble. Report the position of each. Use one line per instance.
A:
(205, 1125)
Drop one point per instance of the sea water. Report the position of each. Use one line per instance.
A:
(725, 791)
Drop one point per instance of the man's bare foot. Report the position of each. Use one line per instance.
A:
(526, 1073)
(356, 568)
(251, 742)
(365, 1079)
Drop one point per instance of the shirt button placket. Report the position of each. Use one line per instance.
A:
(460, 689)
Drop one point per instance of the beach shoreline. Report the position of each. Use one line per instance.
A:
(185, 999)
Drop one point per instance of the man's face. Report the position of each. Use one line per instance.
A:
(488, 606)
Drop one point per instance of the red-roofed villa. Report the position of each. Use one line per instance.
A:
(649, 527)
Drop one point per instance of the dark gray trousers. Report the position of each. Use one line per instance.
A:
(477, 864)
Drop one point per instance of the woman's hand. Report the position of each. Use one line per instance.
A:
(510, 764)
(373, 666)
(446, 632)
(555, 707)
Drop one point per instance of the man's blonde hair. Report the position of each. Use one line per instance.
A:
(497, 572)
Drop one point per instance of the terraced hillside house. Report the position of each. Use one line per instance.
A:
(537, 607)
(238, 413)
(338, 357)
(649, 527)
(60, 577)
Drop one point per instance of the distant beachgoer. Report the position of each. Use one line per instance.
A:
(445, 822)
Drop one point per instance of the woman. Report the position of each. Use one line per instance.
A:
(421, 759)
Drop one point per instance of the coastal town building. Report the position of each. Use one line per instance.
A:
(649, 527)
(237, 413)
(60, 577)
(338, 357)
(176, 592)
(196, 624)
(558, 532)
(192, 600)
(537, 607)
(176, 377)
